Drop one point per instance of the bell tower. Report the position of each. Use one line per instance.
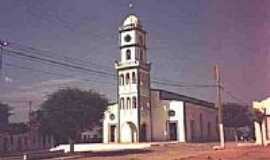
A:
(133, 71)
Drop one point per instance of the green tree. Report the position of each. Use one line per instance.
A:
(5, 112)
(236, 115)
(67, 112)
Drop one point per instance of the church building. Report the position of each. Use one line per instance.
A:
(144, 114)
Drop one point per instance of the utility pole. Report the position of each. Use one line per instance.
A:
(219, 106)
(30, 123)
(2, 45)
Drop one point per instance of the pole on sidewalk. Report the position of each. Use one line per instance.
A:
(219, 106)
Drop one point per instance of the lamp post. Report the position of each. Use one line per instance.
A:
(2, 45)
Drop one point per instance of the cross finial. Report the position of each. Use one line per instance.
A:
(130, 7)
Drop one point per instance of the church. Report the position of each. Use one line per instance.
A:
(145, 114)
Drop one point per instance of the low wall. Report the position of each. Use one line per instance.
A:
(100, 147)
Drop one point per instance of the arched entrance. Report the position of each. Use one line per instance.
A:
(129, 133)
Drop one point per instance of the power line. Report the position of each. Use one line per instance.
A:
(82, 68)
(52, 61)
(71, 59)
(78, 67)
(183, 85)
(234, 97)
(52, 73)
(46, 63)
(49, 54)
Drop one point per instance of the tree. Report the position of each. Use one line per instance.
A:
(5, 112)
(258, 116)
(235, 116)
(67, 112)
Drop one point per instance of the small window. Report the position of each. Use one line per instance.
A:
(121, 80)
(122, 103)
(127, 38)
(128, 103)
(171, 113)
(128, 54)
(112, 116)
(201, 125)
(134, 102)
(134, 78)
(127, 78)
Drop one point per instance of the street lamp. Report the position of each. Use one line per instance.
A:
(2, 45)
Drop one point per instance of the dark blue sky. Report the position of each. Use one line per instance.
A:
(185, 40)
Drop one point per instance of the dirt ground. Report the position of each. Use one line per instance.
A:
(187, 152)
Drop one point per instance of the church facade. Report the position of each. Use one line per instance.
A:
(144, 114)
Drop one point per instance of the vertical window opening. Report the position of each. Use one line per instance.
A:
(128, 54)
(121, 80)
(122, 103)
(201, 125)
(134, 78)
(127, 78)
(128, 103)
(134, 102)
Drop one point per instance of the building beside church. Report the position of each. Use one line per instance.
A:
(144, 114)
(262, 133)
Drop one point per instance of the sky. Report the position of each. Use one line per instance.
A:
(185, 39)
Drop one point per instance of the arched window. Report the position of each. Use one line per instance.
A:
(122, 103)
(127, 78)
(128, 103)
(121, 80)
(128, 54)
(134, 102)
(134, 78)
(201, 125)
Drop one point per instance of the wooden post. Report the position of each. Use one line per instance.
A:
(220, 106)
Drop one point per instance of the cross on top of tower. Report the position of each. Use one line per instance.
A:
(130, 5)
(131, 8)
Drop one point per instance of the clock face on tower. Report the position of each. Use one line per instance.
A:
(127, 38)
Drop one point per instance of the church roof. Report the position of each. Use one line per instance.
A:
(168, 95)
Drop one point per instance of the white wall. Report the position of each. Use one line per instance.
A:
(25, 141)
(178, 107)
(262, 132)
(111, 109)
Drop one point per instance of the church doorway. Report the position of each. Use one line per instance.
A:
(129, 133)
(112, 133)
(173, 131)
(143, 133)
(133, 132)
